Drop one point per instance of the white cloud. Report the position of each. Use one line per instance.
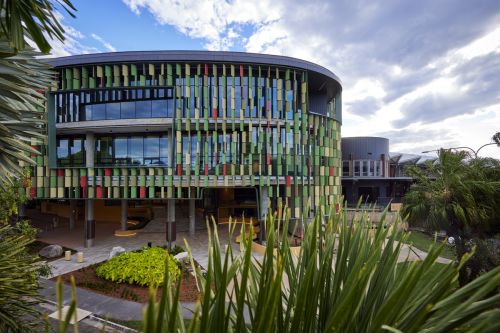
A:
(213, 21)
(104, 43)
(406, 67)
(73, 43)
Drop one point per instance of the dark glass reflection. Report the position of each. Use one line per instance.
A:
(70, 151)
(136, 149)
(121, 150)
(151, 150)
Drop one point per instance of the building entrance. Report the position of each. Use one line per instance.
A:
(223, 203)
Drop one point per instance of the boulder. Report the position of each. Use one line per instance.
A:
(51, 251)
(182, 257)
(116, 251)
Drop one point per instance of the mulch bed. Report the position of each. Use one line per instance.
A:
(88, 279)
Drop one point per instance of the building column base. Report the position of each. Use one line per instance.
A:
(123, 215)
(89, 227)
(192, 217)
(171, 232)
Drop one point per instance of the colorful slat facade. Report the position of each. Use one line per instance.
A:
(231, 125)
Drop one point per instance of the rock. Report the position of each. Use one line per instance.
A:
(51, 251)
(182, 257)
(116, 251)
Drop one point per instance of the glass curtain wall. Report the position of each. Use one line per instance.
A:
(148, 150)
(70, 151)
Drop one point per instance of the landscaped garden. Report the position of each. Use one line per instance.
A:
(423, 241)
(131, 274)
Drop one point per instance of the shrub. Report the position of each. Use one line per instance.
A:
(145, 267)
(18, 283)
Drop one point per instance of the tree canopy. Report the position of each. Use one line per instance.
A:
(456, 194)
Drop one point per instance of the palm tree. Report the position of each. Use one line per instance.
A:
(496, 138)
(455, 194)
(24, 79)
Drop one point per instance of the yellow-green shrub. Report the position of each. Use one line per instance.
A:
(145, 267)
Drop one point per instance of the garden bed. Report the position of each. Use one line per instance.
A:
(88, 279)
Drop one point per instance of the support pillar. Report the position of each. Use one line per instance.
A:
(171, 232)
(264, 209)
(123, 215)
(72, 214)
(89, 223)
(192, 217)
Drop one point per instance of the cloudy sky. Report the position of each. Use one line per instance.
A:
(425, 74)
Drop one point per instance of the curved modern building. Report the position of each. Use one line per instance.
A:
(373, 173)
(220, 133)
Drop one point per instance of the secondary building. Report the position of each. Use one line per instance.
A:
(373, 174)
(217, 133)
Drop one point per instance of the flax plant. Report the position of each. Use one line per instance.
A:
(347, 277)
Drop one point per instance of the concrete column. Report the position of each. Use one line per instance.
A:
(72, 214)
(192, 217)
(89, 223)
(89, 150)
(123, 215)
(264, 209)
(171, 232)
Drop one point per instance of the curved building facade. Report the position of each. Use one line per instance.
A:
(185, 124)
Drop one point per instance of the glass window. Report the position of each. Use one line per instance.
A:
(88, 112)
(143, 109)
(127, 110)
(170, 107)
(77, 152)
(98, 111)
(194, 150)
(289, 98)
(364, 168)
(136, 150)
(121, 150)
(164, 150)
(356, 168)
(113, 111)
(104, 150)
(62, 151)
(159, 109)
(152, 150)
(345, 168)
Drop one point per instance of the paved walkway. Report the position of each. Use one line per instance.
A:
(100, 251)
(102, 305)
(96, 303)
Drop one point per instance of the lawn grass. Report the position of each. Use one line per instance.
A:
(423, 241)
